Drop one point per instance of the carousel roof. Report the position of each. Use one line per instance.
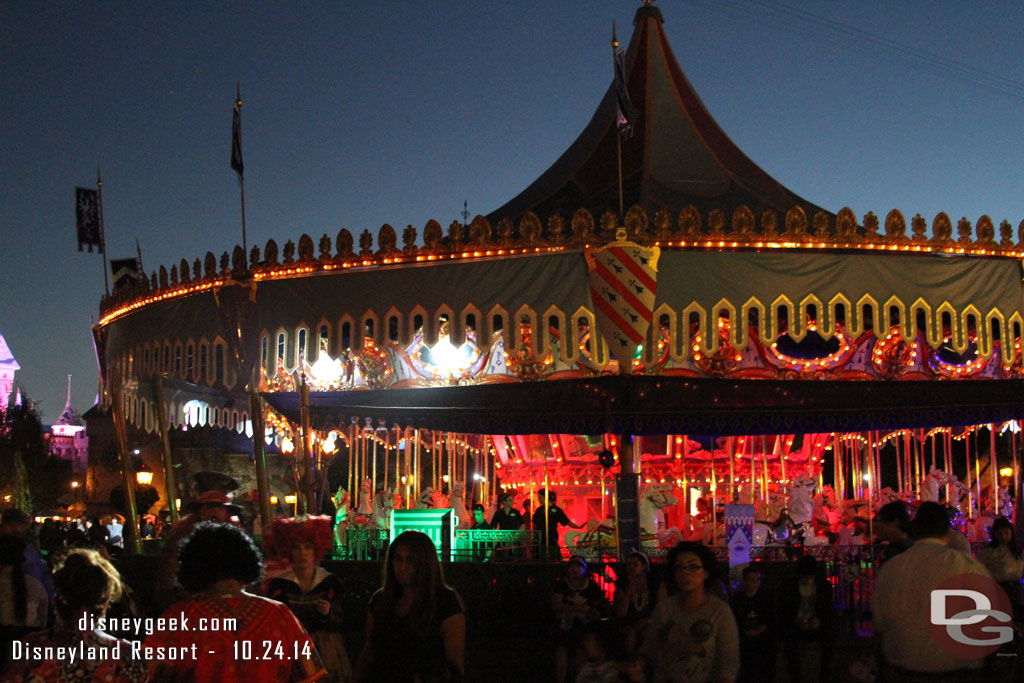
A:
(677, 155)
(817, 321)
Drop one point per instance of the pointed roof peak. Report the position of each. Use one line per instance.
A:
(6, 357)
(69, 416)
(677, 156)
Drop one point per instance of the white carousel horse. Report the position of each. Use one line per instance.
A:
(652, 499)
(801, 499)
(384, 502)
(342, 499)
(365, 499)
(426, 497)
(458, 504)
(1005, 503)
(931, 487)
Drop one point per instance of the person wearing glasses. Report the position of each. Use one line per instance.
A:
(692, 635)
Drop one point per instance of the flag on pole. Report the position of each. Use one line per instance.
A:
(236, 139)
(87, 213)
(625, 111)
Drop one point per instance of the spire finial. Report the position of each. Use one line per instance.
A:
(238, 94)
(615, 38)
(69, 389)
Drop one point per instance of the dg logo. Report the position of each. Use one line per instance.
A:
(970, 616)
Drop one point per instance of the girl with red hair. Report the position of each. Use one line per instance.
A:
(313, 594)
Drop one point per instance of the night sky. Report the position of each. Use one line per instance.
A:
(363, 113)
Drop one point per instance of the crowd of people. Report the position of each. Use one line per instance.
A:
(276, 614)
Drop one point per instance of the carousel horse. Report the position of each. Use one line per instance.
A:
(1005, 503)
(594, 534)
(458, 503)
(826, 509)
(342, 499)
(365, 508)
(425, 499)
(653, 498)
(931, 487)
(384, 502)
(801, 499)
(886, 496)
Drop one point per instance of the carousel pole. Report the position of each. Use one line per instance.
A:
(170, 489)
(764, 461)
(899, 467)
(133, 541)
(1016, 473)
(967, 458)
(714, 492)
(994, 497)
(416, 464)
(627, 487)
(387, 455)
(782, 459)
(373, 465)
(977, 467)
(730, 446)
(352, 453)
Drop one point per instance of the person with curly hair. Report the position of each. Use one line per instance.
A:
(692, 635)
(247, 638)
(416, 625)
(86, 584)
(313, 594)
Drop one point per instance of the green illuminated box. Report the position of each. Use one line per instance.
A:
(439, 525)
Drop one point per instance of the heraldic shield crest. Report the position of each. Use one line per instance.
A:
(623, 286)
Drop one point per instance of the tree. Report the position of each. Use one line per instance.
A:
(34, 479)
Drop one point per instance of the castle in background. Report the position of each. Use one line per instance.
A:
(8, 366)
(67, 438)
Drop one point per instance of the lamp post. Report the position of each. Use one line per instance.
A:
(143, 475)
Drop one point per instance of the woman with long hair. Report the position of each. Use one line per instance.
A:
(692, 635)
(416, 626)
(248, 638)
(1003, 559)
(313, 594)
(636, 594)
(86, 584)
(23, 603)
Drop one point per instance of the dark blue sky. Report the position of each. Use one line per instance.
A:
(360, 113)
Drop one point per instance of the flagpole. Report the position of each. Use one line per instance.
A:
(618, 136)
(236, 162)
(103, 239)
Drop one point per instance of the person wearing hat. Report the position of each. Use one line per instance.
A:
(213, 504)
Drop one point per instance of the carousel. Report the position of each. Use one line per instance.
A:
(655, 329)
